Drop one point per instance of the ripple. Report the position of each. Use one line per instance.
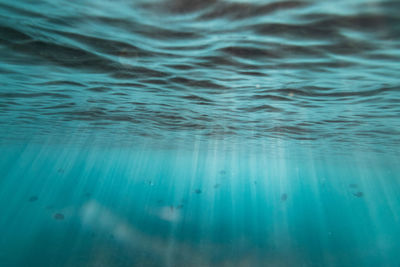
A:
(297, 71)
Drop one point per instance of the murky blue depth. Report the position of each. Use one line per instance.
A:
(199, 133)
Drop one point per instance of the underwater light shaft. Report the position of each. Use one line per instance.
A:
(199, 133)
(176, 208)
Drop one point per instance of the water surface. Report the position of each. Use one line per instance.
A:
(199, 133)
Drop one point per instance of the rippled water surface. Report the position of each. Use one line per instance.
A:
(199, 133)
(202, 70)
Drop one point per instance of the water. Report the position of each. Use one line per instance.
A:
(199, 133)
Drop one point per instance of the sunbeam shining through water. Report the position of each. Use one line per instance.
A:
(199, 133)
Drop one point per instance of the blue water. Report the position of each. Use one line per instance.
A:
(199, 133)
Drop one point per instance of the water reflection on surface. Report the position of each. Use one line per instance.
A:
(199, 133)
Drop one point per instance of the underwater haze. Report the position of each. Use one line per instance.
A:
(199, 133)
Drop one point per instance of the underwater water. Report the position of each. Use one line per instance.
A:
(199, 133)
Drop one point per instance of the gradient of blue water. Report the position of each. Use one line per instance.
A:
(121, 208)
(199, 133)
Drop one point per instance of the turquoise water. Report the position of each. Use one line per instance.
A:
(199, 133)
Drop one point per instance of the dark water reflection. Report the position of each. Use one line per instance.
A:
(297, 71)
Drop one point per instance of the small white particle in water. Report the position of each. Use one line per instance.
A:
(257, 86)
